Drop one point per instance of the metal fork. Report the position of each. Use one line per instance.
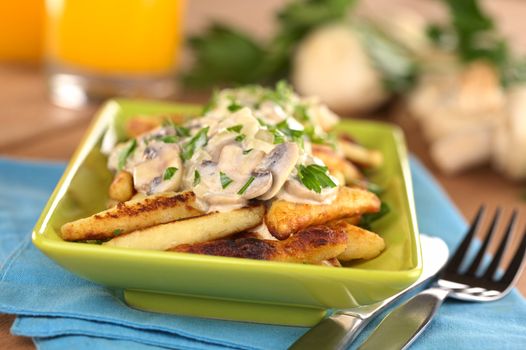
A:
(402, 326)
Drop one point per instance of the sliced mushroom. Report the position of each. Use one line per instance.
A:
(280, 162)
(161, 171)
(241, 167)
(260, 185)
(232, 161)
(218, 142)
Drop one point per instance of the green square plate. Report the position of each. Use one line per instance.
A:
(230, 288)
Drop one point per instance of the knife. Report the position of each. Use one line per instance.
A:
(340, 329)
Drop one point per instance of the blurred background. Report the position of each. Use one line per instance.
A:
(452, 73)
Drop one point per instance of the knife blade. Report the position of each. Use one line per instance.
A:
(340, 329)
(402, 326)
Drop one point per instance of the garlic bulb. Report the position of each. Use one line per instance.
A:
(333, 64)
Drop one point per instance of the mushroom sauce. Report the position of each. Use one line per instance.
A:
(250, 143)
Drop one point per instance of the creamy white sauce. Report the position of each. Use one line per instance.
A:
(244, 157)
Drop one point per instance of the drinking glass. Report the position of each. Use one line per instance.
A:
(96, 49)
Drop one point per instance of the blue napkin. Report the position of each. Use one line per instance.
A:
(62, 311)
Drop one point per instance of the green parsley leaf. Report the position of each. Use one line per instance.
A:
(247, 151)
(235, 128)
(240, 138)
(224, 55)
(281, 94)
(125, 154)
(246, 185)
(278, 137)
(368, 219)
(199, 140)
(315, 177)
(225, 180)
(167, 121)
(169, 139)
(300, 113)
(294, 134)
(234, 106)
(314, 137)
(473, 35)
(169, 172)
(212, 103)
(197, 178)
(181, 131)
(117, 231)
(397, 65)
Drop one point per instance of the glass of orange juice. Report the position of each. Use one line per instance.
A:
(21, 30)
(95, 49)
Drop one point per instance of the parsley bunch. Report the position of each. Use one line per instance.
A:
(472, 34)
(226, 55)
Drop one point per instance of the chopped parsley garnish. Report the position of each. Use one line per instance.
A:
(315, 177)
(278, 137)
(169, 172)
(168, 122)
(235, 128)
(197, 178)
(240, 138)
(246, 185)
(281, 94)
(247, 151)
(169, 139)
(262, 122)
(300, 113)
(294, 134)
(313, 136)
(368, 219)
(212, 103)
(225, 180)
(125, 154)
(199, 140)
(181, 131)
(234, 106)
(117, 231)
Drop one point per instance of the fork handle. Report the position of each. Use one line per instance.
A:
(332, 333)
(404, 324)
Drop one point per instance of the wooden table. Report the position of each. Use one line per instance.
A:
(31, 128)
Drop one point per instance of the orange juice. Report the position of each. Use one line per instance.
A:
(21, 30)
(114, 37)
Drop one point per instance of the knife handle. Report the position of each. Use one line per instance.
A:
(404, 324)
(334, 332)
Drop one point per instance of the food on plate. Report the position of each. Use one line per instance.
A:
(259, 175)
(132, 215)
(121, 188)
(340, 167)
(284, 217)
(361, 243)
(311, 245)
(194, 230)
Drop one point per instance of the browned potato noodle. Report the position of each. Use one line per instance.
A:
(284, 218)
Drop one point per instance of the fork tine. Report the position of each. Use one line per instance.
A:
(495, 262)
(456, 260)
(472, 269)
(516, 264)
